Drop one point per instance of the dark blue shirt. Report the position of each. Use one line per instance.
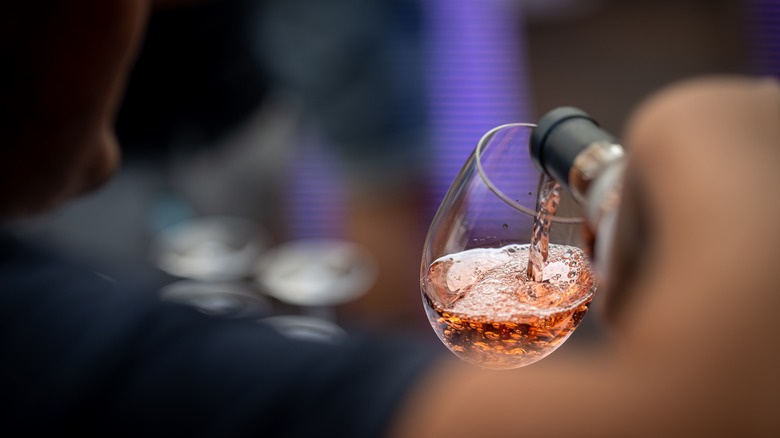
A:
(81, 353)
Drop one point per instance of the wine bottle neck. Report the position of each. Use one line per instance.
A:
(590, 164)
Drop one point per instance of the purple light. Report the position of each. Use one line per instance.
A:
(764, 27)
(316, 193)
(476, 79)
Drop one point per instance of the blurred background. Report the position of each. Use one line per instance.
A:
(285, 157)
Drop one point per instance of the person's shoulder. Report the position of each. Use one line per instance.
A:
(86, 350)
(32, 275)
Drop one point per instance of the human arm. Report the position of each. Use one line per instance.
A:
(695, 349)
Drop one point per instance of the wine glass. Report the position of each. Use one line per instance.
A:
(316, 275)
(223, 299)
(474, 275)
(214, 256)
(210, 249)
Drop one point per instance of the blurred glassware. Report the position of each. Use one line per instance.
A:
(231, 300)
(218, 248)
(316, 272)
(306, 328)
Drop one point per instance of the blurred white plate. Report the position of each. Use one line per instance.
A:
(234, 300)
(209, 249)
(316, 272)
(306, 328)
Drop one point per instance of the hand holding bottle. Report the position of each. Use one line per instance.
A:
(692, 290)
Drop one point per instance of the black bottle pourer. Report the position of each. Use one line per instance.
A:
(559, 137)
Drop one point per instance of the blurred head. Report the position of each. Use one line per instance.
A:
(65, 67)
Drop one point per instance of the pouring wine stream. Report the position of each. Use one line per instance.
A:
(546, 205)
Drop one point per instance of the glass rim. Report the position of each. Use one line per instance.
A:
(496, 191)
